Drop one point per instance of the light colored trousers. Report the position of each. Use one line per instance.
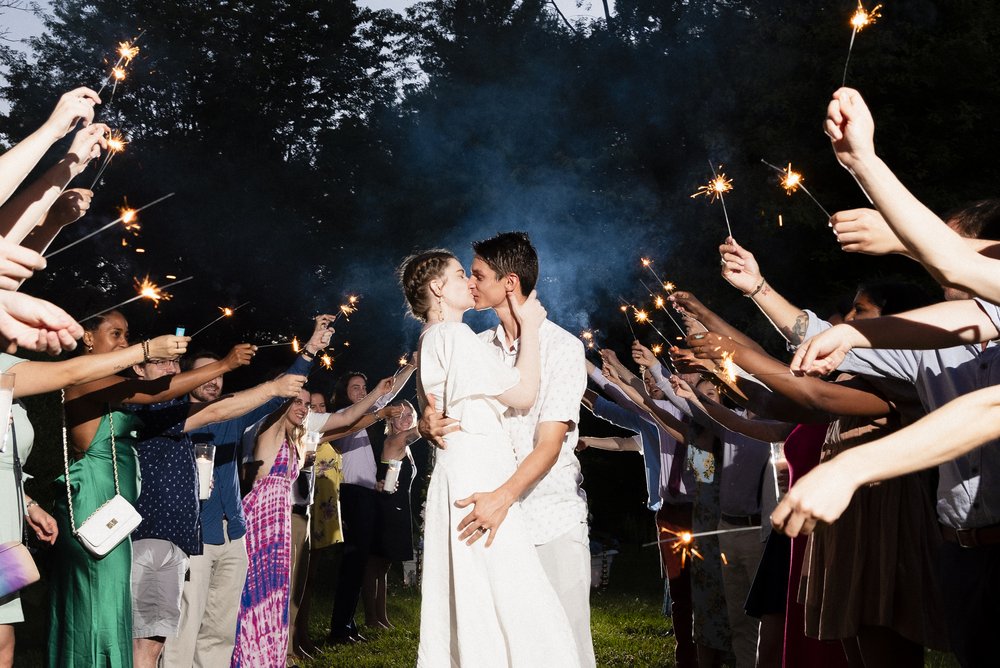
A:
(566, 561)
(742, 550)
(209, 608)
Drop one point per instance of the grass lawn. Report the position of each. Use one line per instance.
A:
(627, 625)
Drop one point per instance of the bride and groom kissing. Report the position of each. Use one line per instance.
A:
(506, 574)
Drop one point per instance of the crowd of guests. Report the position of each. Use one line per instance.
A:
(873, 455)
(217, 571)
(849, 506)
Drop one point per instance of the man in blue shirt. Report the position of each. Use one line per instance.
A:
(211, 598)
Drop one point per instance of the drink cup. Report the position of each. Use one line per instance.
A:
(204, 457)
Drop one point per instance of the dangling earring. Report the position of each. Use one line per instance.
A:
(440, 308)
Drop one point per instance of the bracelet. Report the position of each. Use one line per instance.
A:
(308, 355)
(145, 350)
(760, 286)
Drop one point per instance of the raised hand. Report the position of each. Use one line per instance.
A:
(389, 412)
(865, 231)
(69, 207)
(687, 304)
(739, 267)
(823, 353)
(819, 496)
(168, 346)
(76, 106)
(685, 361)
(35, 324)
(16, 264)
(87, 145)
(384, 387)
(240, 355)
(643, 356)
(710, 346)
(321, 335)
(850, 126)
(681, 387)
(287, 385)
(531, 314)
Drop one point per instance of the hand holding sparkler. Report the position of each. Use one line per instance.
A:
(168, 347)
(865, 231)
(87, 145)
(73, 108)
(739, 267)
(17, 263)
(821, 495)
(711, 346)
(35, 324)
(287, 386)
(851, 128)
(643, 356)
(240, 355)
(685, 362)
(70, 207)
(384, 386)
(321, 334)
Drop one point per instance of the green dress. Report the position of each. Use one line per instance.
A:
(91, 599)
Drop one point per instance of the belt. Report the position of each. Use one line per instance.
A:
(972, 537)
(300, 510)
(742, 520)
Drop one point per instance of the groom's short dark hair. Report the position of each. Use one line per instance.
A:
(511, 253)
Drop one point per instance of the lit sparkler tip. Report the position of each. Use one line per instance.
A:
(623, 308)
(657, 348)
(149, 290)
(791, 180)
(127, 51)
(715, 188)
(403, 361)
(728, 368)
(669, 287)
(296, 347)
(118, 73)
(326, 361)
(660, 301)
(646, 262)
(641, 316)
(226, 311)
(862, 18)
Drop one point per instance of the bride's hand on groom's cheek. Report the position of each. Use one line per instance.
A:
(434, 426)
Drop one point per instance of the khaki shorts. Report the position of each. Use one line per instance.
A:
(158, 570)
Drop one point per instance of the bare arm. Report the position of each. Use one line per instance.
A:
(76, 106)
(241, 403)
(928, 240)
(949, 432)
(940, 325)
(612, 444)
(710, 319)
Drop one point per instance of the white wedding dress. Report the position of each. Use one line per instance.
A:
(481, 607)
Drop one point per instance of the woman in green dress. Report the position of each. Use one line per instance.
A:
(90, 598)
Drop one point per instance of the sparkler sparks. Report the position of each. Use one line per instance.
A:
(116, 144)
(661, 304)
(648, 264)
(146, 290)
(126, 215)
(860, 19)
(715, 189)
(126, 52)
(296, 346)
(326, 361)
(728, 368)
(227, 312)
(118, 73)
(792, 181)
(656, 348)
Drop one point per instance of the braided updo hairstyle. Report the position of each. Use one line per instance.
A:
(415, 276)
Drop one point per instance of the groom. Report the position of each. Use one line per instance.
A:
(547, 479)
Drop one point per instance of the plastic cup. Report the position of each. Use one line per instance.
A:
(204, 457)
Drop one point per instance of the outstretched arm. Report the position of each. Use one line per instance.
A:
(928, 240)
(240, 403)
(949, 432)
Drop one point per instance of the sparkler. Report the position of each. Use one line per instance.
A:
(294, 343)
(861, 19)
(126, 52)
(226, 313)
(624, 309)
(348, 309)
(127, 216)
(326, 361)
(792, 181)
(685, 539)
(715, 189)
(147, 290)
(116, 144)
(661, 304)
(656, 349)
(648, 264)
(643, 318)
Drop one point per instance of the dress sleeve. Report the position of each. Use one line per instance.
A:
(467, 366)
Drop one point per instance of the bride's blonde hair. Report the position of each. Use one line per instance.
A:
(415, 276)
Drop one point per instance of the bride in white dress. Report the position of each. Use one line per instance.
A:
(490, 603)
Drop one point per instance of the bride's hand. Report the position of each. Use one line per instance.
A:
(531, 314)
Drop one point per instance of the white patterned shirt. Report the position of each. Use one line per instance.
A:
(555, 505)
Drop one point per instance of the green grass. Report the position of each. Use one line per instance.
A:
(625, 617)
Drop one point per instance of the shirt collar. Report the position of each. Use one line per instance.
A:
(500, 339)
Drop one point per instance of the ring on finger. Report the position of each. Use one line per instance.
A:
(482, 529)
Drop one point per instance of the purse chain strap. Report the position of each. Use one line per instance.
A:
(114, 459)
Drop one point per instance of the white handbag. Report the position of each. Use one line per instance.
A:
(110, 524)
